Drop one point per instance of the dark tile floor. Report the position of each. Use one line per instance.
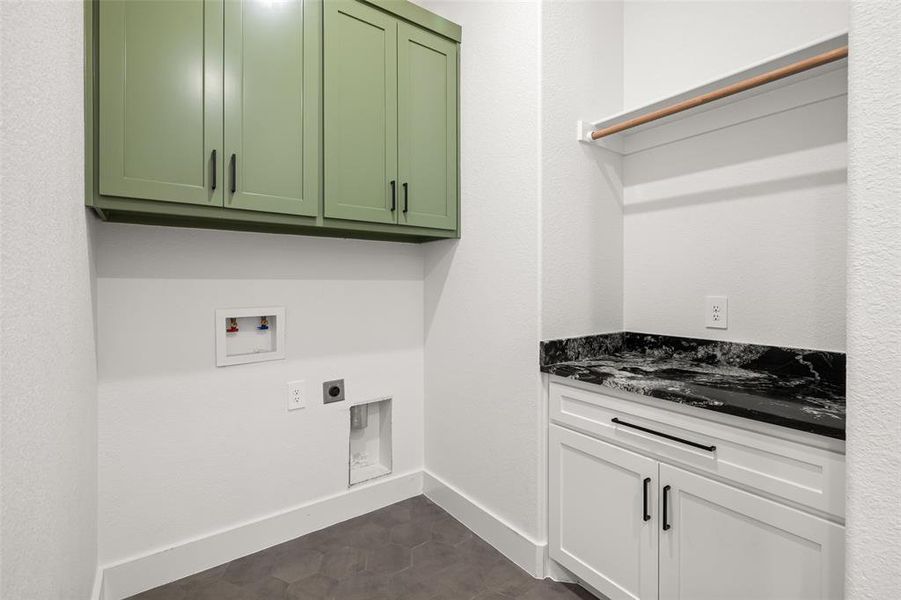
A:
(411, 550)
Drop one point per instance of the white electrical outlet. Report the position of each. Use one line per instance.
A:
(717, 315)
(296, 394)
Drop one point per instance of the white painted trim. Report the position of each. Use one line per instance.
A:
(558, 572)
(97, 592)
(135, 575)
(509, 541)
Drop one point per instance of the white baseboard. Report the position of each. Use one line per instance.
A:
(132, 576)
(555, 571)
(97, 590)
(141, 573)
(512, 543)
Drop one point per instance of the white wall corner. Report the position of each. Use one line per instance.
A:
(98, 592)
(527, 553)
(874, 321)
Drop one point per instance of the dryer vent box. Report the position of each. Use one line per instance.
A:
(370, 441)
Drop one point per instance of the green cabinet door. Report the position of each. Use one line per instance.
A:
(160, 95)
(272, 105)
(360, 112)
(427, 138)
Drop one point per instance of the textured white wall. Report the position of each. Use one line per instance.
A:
(482, 416)
(674, 45)
(874, 306)
(581, 188)
(48, 499)
(187, 448)
(755, 211)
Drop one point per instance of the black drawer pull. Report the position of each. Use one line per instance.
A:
(234, 162)
(665, 511)
(393, 195)
(406, 198)
(644, 504)
(664, 435)
(213, 160)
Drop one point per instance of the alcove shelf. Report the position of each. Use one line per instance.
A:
(815, 72)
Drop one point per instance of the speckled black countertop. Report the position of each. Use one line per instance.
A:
(791, 387)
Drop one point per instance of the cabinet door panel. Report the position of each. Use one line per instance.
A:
(160, 99)
(596, 512)
(360, 112)
(727, 544)
(427, 136)
(271, 124)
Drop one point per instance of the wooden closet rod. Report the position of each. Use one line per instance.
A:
(729, 90)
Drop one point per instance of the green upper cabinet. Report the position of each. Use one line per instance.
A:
(160, 100)
(325, 117)
(390, 119)
(427, 139)
(360, 113)
(272, 105)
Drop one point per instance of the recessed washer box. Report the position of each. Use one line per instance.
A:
(249, 335)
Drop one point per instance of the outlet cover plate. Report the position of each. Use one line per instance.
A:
(296, 394)
(717, 312)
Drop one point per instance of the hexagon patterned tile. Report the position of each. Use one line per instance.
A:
(411, 550)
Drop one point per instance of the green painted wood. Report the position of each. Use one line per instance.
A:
(360, 112)
(427, 137)
(216, 217)
(271, 105)
(419, 16)
(160, 95)
(127, 203)
(90, 107)
(266, 227)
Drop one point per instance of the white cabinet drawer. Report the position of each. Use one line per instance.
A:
(803, 474)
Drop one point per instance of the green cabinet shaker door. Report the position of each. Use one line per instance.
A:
(360, 112)
(272, 105)
(160, 94)
(427, 138)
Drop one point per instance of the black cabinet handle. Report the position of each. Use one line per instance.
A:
(234, 173)
(213, 159)
(406, 198)
(665, 511)
(644, 504)
(393, 195)
(664, 435)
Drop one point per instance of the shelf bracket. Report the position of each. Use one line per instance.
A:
(583, 133)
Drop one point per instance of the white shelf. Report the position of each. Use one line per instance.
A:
(811, 92)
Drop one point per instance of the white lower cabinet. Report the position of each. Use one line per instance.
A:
(693, 538)
(722, 543)
(598, 497)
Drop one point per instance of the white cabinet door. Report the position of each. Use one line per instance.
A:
(603, 514)
(726, 544)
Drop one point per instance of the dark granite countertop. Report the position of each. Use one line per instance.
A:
(791, 387)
